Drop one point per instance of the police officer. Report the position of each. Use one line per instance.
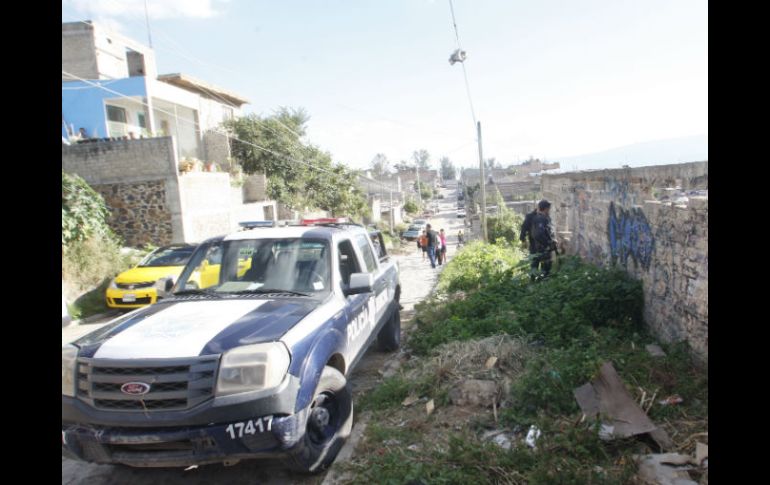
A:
(543, 241)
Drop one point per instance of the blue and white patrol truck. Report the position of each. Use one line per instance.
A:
(247, 356)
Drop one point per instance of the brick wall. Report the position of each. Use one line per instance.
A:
(139, 212)
(648, 221)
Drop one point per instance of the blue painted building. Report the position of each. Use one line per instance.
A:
(110, 88)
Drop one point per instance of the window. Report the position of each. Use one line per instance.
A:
(348, 261)
(366, 250)
(141, 120)
(116, 114)
(260, 265)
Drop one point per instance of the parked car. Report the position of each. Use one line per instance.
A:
(460, 213)
(254, 366)
(141, 285)
(420, 222)
(413, 232)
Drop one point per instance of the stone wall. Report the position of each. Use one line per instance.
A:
(140, 183)
(648, 221)
(139, 212)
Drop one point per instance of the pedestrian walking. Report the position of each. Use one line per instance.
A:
(442, 254)
(422, 241)
(433, 242)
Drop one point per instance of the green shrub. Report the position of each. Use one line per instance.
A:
(411, 207)
(83, 211)
(567, 306)
(478, 264)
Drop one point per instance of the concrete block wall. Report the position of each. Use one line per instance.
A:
(206, 204)
(612, 217)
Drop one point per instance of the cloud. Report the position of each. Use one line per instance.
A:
(157, 9)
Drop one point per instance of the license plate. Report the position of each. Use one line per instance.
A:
(259, 425)
(129, 297)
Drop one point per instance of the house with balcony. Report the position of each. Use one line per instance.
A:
(111, 89)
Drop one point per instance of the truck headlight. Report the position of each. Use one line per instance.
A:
(252, 368)
(69, 355)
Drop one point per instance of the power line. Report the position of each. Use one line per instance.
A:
(224, 133)
(465, 73)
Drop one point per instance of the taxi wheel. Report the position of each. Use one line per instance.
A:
(329, 421)
(389, 338)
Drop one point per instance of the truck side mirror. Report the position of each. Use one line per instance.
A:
(360, 283)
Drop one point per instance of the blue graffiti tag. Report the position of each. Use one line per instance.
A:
(630, 235)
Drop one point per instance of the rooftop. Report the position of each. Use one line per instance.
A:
(190, 83)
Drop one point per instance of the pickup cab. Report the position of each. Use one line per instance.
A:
(251, 364)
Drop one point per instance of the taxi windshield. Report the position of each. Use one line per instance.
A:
(290, 265)
(168, 256)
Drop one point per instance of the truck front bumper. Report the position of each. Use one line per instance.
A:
(222, 429)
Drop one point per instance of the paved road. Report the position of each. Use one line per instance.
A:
(417, 281)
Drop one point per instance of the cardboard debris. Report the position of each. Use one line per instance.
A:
(490, 362)
(701, 453)
(655, 350)
(429, 407)
(606, 395)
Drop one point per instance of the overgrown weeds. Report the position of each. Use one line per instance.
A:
(556, 334)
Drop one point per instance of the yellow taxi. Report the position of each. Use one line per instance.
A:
(140, 285)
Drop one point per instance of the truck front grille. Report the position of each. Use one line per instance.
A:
(175, 384)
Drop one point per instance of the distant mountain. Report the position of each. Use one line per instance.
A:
(658, 152)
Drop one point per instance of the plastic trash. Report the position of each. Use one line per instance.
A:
(532, 436)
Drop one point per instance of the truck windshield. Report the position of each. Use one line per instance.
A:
(292, 265)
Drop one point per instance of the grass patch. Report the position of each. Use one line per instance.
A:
(565, 327)
(91, 303)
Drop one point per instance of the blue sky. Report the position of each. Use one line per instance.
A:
(548, 78)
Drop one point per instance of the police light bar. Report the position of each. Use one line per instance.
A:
(255, 224)
(326, 220)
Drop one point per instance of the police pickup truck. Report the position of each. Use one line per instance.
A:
(251, 363)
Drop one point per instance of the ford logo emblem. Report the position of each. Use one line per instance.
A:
(135, 388)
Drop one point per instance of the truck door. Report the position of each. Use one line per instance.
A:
(382, 294)
(359, 318)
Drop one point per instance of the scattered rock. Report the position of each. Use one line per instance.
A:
(655, 350)
(429, 407)
(502, 441)
(410, 400)
(414, 447)
(665, 469)
(390, 368)
(474, 392)
(490, 362)
(391, 442)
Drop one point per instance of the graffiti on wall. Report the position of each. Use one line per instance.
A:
(630, 235)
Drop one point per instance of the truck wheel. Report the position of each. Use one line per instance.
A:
(389, 338)
(329, 421)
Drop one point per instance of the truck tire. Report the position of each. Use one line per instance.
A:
(389, 338)
(329, 421)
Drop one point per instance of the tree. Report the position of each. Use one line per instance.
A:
(491, 163)
(402, 166)
(380, 165)
(421, 158)
(298, 175)
(448, 170)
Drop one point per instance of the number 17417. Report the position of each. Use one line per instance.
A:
(252, 426)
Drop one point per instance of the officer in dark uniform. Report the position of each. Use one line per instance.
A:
(543, 241)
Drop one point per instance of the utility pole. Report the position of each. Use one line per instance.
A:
(147, 19)
(419, 195)
(483, 189)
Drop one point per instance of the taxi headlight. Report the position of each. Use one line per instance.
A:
(113, 285)
(252, 368)
(69, 355)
